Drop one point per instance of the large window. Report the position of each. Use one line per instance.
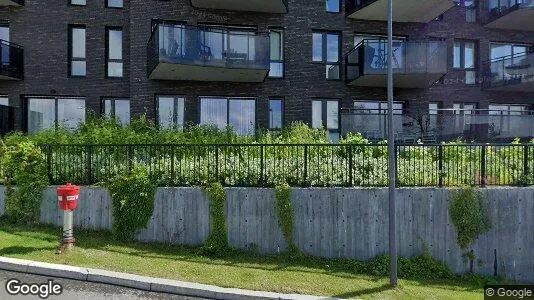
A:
(276, 113)
(46, 113)
(115, 3)
(114, 52)
(506, 119)
(171, 112)
(325, 114)
(508, 54)
(470, 9)
(326, 49)
(78, 2)
(464, 58)
(77, 62)
(277, 53)
(117, 108)
(239, 113)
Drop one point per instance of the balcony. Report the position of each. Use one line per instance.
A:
(12, 56)
(510, 73)
(11, 2)
(416, 64)
(179, 52)
(440, 125)
(512, 15)
(418, 11)
(263, 6)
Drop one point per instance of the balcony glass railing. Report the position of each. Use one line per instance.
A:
(355, 5)
(498, 8)
(207, 46)
(11, 2)
(409, 57)
(509, 70)
(12, 56)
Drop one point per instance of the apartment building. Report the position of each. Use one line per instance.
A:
(462, 68)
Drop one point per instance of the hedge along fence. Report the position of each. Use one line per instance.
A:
(319, 165)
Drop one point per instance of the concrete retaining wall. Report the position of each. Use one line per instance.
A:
(333, 222)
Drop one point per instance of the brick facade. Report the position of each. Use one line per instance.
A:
(42, 28)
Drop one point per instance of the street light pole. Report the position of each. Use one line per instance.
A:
(391, 160)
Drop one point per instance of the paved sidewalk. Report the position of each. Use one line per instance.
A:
(158, 285)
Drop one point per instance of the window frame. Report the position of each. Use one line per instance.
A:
(175, 98)
(26, 108)
(228, 99)
(333, 12)
(115, 7)
(324, 51)
(282, 113)
(462, 58)
(324, 114)
(282, 51)
(74, 4)
(113, 107)
(107, 56)
(70, 47)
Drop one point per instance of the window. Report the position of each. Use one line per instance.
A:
(464, 58)
(470, 9)
(171, 112)
(333, 6)
(77, 63)
(463, 113)
(277, 53)
(7, 114)
(506, 119)
(370, 118)
(46, 113)
(117, 108)
(506, 54)
(239, 113)
(115, 3)
(326, 49)
(78, 2)
(114, 52)
(276, 113)
(325, 114)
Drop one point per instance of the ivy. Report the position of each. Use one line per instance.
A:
(470, 218)
(217, 242)
(132, 196)
(23, 165)
(286, 215)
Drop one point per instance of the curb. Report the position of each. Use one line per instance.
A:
(143, 282)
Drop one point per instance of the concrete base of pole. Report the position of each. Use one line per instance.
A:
(68, 240)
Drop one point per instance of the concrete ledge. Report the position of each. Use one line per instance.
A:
(142, 282)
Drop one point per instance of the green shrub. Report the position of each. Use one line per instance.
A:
(24, 165)
(286, 215)
(132, 195)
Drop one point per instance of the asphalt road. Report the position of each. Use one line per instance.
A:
(73, 289)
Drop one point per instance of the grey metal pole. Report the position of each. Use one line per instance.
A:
(391, 153)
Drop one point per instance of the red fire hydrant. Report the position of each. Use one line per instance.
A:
(67, 196)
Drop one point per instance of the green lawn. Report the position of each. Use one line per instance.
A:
(241, 270)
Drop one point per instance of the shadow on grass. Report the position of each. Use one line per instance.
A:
(22, 250)
(342, 268)
(364, 292)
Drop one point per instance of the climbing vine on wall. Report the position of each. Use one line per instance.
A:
(217, 242)
(286, 215)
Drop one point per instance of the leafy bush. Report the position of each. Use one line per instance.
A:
(132, 195)
(23, 164)
(286, 215)
(217, 242)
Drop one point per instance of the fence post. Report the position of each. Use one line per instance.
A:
(262, 165)
(440, 165)
(217, 163)
(483, 167)
(89, 164)
(129, 155)
(526, 170)
(305, 164)
(49, 163)
(351, 165)
(396, 156)
(173, 175)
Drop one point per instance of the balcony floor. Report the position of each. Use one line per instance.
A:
(526, 85)
(8, 3)
(266, 6)
(419, 11)
(171, 71)
(520, 19)
(406, 81)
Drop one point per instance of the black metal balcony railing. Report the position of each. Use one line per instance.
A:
(265, 6)
(481, 125)
(11, 2)
(211, 47)
(499, 8)
(12, 57)
(513, 71)
(369, 57)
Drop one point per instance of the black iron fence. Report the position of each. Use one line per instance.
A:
(299, 165)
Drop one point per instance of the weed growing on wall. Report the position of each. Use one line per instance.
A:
(286, 215)
(217, 242)
(23, 165)
(132, 196)
(470, 218)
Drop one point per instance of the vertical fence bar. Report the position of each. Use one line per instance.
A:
(262, 166)
(526, 166)
(351, 165)
(89, 163)
(49, 163)
(483, 166)
(173, 175)
(217, 163)
(440, 166)
(129, 157)
(305, 164)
